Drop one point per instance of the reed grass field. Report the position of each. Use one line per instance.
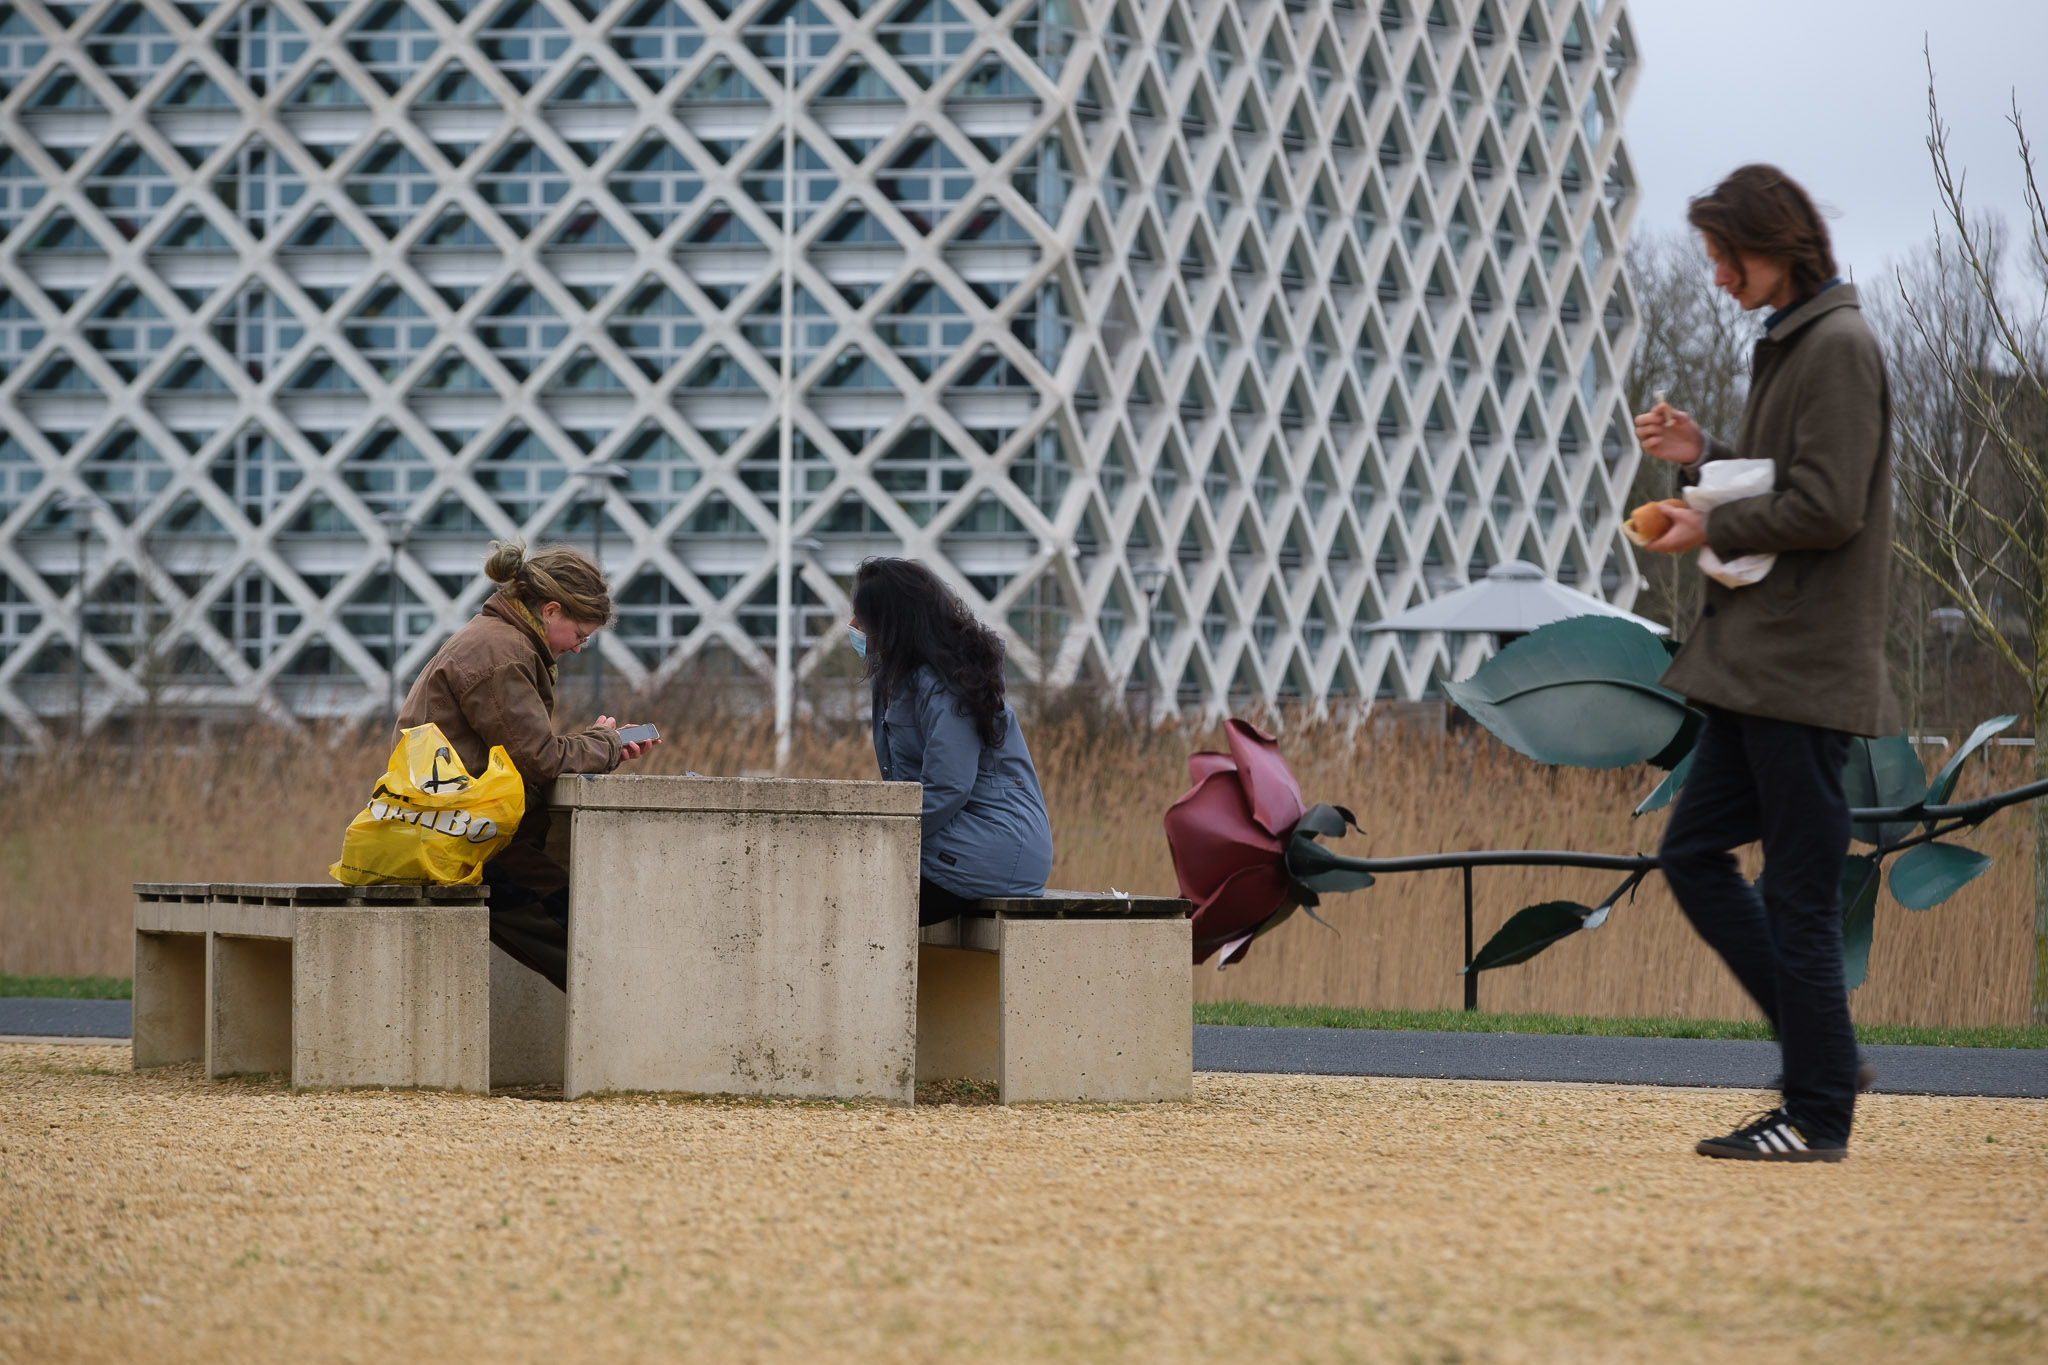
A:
(76, 831)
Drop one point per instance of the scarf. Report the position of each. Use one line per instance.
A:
(533, 623)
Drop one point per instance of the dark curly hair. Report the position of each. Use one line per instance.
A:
(912, 621)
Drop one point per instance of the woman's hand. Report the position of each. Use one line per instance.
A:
(1688, 532)
(627, 752)
(1669, 434)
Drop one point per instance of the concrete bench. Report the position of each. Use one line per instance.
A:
(334, 985)
(747, 936)
(1066, 996)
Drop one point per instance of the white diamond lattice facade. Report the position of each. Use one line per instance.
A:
(1293, 312)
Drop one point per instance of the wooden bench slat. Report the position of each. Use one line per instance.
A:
(311, 892)
(1079, 904)
(333, 893)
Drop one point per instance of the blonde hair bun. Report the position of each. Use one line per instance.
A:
(506, 559)
(553, 573)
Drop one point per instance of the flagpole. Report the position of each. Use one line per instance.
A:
(785, 664)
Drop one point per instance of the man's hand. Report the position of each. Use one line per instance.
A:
(1669, 434)
(1688, 532)
(627, 752)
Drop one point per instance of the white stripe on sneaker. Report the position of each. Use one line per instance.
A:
(1792, 1135)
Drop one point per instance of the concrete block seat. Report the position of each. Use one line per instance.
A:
(335, 985)
(1072, 995)
(750, 936)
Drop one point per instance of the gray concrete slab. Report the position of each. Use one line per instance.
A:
(66, 1018)
(1626, 1061)
(741, 936)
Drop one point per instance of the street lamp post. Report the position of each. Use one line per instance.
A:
(1950, 620)
(785, 460)
(598, 479)
(80, 508)
(397, 531)
(1151, 577)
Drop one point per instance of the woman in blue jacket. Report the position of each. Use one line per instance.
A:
(940, 719)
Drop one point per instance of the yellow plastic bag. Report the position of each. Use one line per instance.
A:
(428, 820)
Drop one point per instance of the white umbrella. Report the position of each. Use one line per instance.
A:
(1513, 599)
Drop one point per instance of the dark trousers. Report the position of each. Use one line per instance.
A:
(532, 926)
(1781, 783)
(935, 904)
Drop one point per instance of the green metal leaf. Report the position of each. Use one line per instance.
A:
(1321, 870)
(1926, 876)
(1667, 790)
(1860, 878)
(1529, 931)
(1883, 772)
(1944, 784)
(1315, 869)
(1681, 745)
(1327, 820)
(1581, 692)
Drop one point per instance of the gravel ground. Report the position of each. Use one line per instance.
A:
(1297, 1218)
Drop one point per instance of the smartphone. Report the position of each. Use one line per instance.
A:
(638, 734)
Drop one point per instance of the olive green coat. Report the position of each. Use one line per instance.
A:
(1807, 643)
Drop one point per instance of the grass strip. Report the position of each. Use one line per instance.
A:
(66, 987)
(1458, 1021)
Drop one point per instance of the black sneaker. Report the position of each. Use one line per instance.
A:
(1771, 1136)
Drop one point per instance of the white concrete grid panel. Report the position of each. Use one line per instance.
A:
(1316, 307)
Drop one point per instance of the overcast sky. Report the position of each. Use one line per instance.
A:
(1835, 92)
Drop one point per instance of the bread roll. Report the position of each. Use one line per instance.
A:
(1650, 521)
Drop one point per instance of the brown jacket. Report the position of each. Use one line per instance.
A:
(1807, 643)
(493, 683)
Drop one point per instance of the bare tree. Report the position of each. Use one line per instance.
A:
(1694, 347)
(1974, 452)
(1931, 416)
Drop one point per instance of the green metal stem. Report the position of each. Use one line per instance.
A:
(1962, 815)
(1471, 977)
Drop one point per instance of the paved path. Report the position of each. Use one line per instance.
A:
(1628, 1061)
(66, 1018)
(1378, 1052)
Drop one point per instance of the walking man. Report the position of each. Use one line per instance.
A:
(1789, 668)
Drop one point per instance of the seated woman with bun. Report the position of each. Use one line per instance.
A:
(940, 718)
(493, 683)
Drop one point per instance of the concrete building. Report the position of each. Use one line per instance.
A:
(1187, 337)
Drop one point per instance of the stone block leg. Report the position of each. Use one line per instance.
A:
(1097, 1010)
(959, 1025)
(248, 1006)
(529, 1024)
(392, 995)
(170, 999)
(745, 952)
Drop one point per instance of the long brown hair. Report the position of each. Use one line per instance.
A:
(553, 573)
(1761, 211)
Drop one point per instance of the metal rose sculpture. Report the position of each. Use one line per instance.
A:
(1582, 692)
(1233, 837)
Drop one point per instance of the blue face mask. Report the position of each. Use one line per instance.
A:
(859, 639)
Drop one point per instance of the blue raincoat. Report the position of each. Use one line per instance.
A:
(985, 828)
